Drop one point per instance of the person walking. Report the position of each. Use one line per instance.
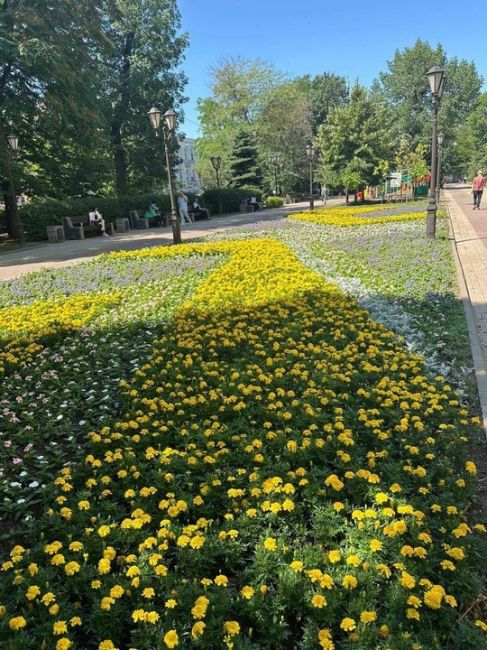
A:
(183, 208)
(478, 185)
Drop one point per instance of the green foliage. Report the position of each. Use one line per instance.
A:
(274, 202)
(244, 163)
(36, 216)
(355, 143)
(472, 141)
(231, 198)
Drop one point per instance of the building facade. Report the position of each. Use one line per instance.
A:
(185, 172)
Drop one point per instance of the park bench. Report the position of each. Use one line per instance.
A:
(140, 223)
(80, 227)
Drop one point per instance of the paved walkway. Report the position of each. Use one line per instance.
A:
(469, 229)
(15, 263)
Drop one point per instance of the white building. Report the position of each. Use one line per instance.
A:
(185, 173)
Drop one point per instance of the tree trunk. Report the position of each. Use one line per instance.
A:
(347, 200)
(120, 114)
(119, 159)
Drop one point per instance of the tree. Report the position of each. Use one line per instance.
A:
(140, 70)
(355, 144)
(45, 70)
(239, 90)
(324, 91)
(284, 127)
(472, 139)
(405, 87)
(244, 164)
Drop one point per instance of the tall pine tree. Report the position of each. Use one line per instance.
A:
(244, 164)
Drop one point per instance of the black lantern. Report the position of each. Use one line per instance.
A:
(170, 119)
(155, 117)
(436, 78)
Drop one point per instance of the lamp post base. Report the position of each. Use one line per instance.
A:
(176, 228)
(311, 204)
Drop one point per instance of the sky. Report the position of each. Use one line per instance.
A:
(353, 38)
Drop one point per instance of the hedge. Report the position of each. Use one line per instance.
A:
(37, 215)
(231, 198)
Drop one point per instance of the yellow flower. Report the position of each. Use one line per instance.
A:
(318, 601)
(247, 592)
(17, 623)
(170, 603)
(375, 545)
(59, 627)
(197, 629)
(471, 468)
(412, 614)
(171, 639)
(32, 592)
(349, 582)
(63, 644)
(334, 556)
(407, 580)
(71, 568)
(348, 624)
(270, 544)
(107, 645)
(200, 607)
(221, 581)
(103, 531)
(368, 617)
(232, 628)
(296, 566)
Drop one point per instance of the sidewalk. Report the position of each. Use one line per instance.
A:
(15, 263)
(469, 229)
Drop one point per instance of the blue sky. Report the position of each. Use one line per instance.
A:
(353, 38)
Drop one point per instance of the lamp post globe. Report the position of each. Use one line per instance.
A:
(216, 162)
(13, 141)
(155, 117)
(436, 78)
(170, 119)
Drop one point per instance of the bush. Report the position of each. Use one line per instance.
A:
(231, 198)
(274, 202)
(36, 216)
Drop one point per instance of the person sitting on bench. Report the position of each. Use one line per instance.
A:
(96, 219)
(253, 204)
(198, 212)
(152, 214)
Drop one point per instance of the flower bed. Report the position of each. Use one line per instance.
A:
(282, 474)
(361, 215)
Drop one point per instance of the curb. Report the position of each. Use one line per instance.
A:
(480, 366)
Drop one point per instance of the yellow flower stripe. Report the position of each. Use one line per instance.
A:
(352, 216)
(22, 326)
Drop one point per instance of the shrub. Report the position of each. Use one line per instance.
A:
(274, 202)
(37, 215)
(231, 198)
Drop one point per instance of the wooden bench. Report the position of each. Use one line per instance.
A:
(79, 227)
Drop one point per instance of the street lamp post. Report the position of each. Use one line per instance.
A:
(166, 131)
(436, 78)
(310, 153)
(275, 160)
(216, 161)
(438, 175)
(17, 227)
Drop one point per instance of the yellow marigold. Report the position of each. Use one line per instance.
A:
(32, 592)
(107, 645)
(71, 568)
(318, 601)
(103, 531)
(412, 614)
(197, 629)
(221, 581)
(375, 545)
(334, 556)
(296, 566)
(325, 639)
(471, 467)
(407, 580)
(171, 639)
(433, 597)
(368, 616)
(348, 624)
(17, 623)
(247, 592)
(63, 644)
(270, 544)
(349, 582)
(232, 628)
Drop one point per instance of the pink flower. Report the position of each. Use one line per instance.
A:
(16, 460)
